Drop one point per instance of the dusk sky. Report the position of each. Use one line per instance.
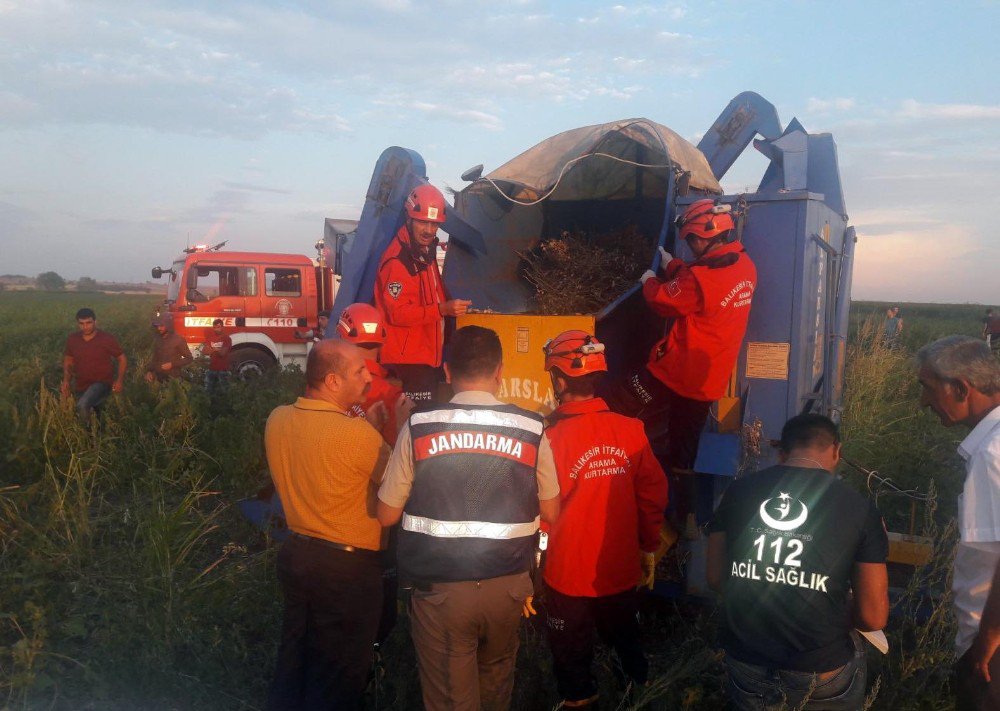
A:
(128, 128)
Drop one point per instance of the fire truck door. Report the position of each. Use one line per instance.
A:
(283, 301)
(220, 291)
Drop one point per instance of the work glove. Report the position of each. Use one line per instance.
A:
(528, 610)
(647, 562)
(665, 257)
(648, 274)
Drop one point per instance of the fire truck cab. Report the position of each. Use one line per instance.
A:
(263, 300)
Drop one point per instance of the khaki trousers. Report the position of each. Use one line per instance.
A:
(466, 637)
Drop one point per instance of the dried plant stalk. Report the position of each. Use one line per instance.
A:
(580, 273)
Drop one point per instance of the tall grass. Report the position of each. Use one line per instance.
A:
(128, 579)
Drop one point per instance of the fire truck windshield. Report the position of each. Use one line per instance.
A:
(174, 286)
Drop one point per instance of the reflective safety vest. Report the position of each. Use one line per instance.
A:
(473, 508)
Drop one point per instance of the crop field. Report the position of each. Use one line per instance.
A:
(129, 580)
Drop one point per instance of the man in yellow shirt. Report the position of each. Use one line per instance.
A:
(326, 467)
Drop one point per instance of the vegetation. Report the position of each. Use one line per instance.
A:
(50, 281)
(129, 580)
(86, 283)
(581, 273)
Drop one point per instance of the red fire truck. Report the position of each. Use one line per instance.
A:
(262, 298)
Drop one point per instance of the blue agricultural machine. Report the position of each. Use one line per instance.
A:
(637, 172)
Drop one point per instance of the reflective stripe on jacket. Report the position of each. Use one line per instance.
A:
(473, 507)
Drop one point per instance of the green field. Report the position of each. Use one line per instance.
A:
(129, 580)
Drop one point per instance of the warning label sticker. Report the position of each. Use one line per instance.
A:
(522, 339)
(768, 360)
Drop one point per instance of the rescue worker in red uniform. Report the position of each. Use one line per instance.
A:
(410, 295)
(385, 403)
(612, 493)
(709, 302)
(363, 325)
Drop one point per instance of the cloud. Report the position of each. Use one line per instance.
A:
(248, 69)
(458, 115)
(911, 109)
(823, 106)
(255, 188)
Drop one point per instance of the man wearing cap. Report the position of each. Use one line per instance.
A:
(411, 296)
(469, 481)
(690, 368)
(171, 353)
(612, 495)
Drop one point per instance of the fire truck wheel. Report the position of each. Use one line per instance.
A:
(248, 362)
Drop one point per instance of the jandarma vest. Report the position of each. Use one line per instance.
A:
(473, 509)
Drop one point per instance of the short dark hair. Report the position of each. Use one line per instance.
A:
(218, 322)
(584, 385)
(473, 352)
(85, 313)
(323, 359)
(810, 430)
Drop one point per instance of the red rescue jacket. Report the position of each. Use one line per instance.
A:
(408, 292)
(710, 300)
(382, 389)
(612, 495)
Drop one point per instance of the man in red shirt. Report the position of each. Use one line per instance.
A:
(612, 493)
(410, 295)
(217, 347)
(88, 363)
(363, 325)
(709, 302)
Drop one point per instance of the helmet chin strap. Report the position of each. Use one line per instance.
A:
(558, 395)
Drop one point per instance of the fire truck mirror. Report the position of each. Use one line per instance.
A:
(157, 272)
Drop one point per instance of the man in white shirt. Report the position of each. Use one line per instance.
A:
(960, 381)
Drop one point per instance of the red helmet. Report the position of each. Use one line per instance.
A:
(705, 219)
(361, 324)
(575, 353)
(426, 203)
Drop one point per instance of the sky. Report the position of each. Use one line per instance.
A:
(129, 129)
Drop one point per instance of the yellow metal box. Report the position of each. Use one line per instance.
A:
(525, 382)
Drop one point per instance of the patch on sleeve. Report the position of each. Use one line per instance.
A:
(673, 288)
(395, 288)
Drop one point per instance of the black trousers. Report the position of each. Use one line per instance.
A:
(419, 382)
(333, 601)
(673, 422)
(571, 622)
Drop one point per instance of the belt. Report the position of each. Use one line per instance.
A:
(331, 544)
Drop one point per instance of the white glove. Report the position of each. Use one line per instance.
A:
(648, 274)
(665, 257)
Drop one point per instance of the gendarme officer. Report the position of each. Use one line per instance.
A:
(469, 481)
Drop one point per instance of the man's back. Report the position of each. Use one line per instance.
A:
(613, 493)
(793, 536)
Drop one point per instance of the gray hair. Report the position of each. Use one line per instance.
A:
(962, 358)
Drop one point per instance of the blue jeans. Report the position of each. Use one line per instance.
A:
(91, 399)
(756, 688)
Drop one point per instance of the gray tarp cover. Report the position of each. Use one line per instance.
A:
(534, 172)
